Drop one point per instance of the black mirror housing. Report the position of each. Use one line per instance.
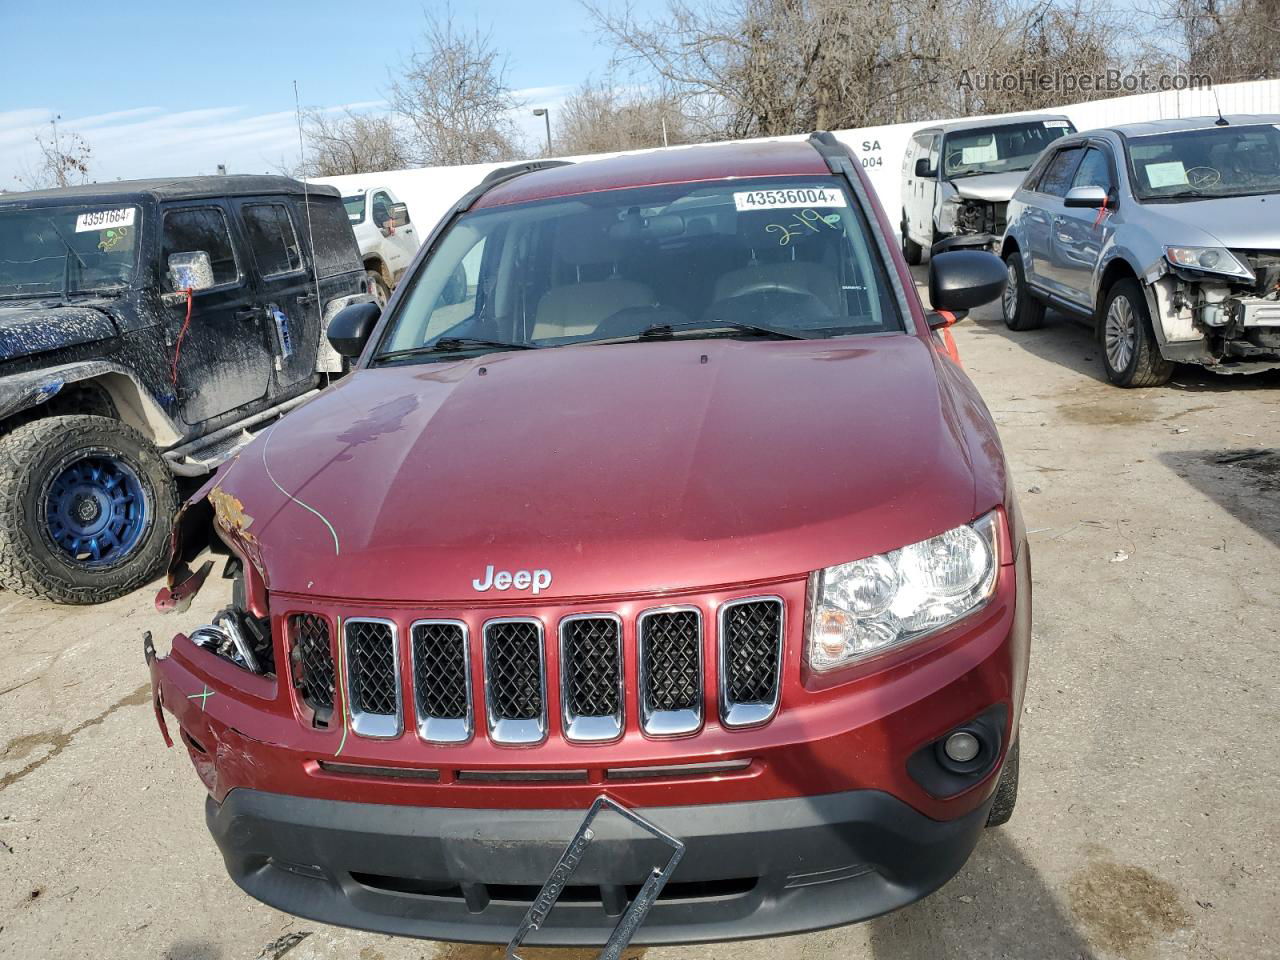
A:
(350, 328)
(960, 280)
(940, 321)
(924, 170)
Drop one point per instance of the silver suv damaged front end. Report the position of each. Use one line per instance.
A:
(1218, 305)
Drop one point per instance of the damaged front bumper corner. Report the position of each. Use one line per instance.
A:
(204, 693)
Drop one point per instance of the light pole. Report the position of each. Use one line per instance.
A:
(545, 113)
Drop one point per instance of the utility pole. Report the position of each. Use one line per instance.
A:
(545, 113)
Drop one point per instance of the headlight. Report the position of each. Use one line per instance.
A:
(948, 210)
(861, 609)
(1209, 259)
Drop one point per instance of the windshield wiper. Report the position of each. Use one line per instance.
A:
(1191, 194)
(66, 263)
(659, 331)
(453, 345)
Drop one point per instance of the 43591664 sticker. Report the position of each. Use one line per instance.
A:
(102, 219)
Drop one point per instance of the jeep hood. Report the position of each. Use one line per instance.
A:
(622, 469)
(992, 187)
(28, 328)
(1247, 223)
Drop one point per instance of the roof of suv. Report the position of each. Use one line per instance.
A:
(997, 121)
(173, 188)
(1191, 123)
(720, 161)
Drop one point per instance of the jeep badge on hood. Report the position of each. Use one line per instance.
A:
(506, 579)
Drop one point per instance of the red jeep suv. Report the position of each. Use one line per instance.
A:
(652, 481)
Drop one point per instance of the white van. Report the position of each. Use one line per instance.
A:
(957, 178)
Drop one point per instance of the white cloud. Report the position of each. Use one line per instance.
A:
(152, 141)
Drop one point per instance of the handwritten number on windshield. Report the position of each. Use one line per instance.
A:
(808, 219)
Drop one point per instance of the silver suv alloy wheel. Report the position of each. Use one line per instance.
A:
(1120, 334)
(1010, 299)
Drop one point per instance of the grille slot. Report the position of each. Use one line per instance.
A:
(591, 676)
(670, 654)
(751, 631)
(515, 680)
(373, 677)
(311, 656)
(442, 680)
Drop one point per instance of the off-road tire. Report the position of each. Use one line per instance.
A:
(911, 251)
(1026, 312)
(1145, 367)
(30, 564)
(1006, 790)
(378, 288)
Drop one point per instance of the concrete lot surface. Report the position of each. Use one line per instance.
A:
(1149, 821)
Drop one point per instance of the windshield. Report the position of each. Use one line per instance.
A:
(999, 149)
(355, 207)
(62, 250)
(793, 255)
(1214, 162)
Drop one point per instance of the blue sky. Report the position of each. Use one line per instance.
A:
(160, 88)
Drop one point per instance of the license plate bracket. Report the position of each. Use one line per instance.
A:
(636, 911)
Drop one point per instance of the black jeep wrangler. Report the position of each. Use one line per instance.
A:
(147, 330)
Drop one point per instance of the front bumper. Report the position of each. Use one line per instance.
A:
(754, 869)
(966, 241)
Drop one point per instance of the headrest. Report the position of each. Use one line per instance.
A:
(584, 240)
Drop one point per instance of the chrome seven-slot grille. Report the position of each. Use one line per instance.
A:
(592, 684)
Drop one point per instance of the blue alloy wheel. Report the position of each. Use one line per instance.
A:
(96, 511)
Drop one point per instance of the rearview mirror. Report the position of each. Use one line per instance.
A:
(1092, 196)
(350, 328)
(400, 214)
(190, 271)
(923, 170)
(962, 279)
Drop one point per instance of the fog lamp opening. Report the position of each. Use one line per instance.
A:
(962, 746)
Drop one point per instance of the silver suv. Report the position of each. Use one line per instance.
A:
(1164, 235)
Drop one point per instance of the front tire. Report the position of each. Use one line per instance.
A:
(1006, 790)
(378, 288)
(86, 509)
(912, 252)
(1021, 310)
(1130, 352)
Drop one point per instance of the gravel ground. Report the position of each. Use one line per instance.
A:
(1148, 825)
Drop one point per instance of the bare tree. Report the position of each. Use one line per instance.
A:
(63, 160)
(1227, 40)
(453, 92)
(601, 116)
(1056, 40)
(769, 67)
(350, 142)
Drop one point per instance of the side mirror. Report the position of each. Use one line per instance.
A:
(190, 271)
(455, 291)
(923, 170)
(1093, 196)
(400, 214)
(350, 328)
(962, 279)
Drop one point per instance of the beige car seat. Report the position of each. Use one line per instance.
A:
(576, 309)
